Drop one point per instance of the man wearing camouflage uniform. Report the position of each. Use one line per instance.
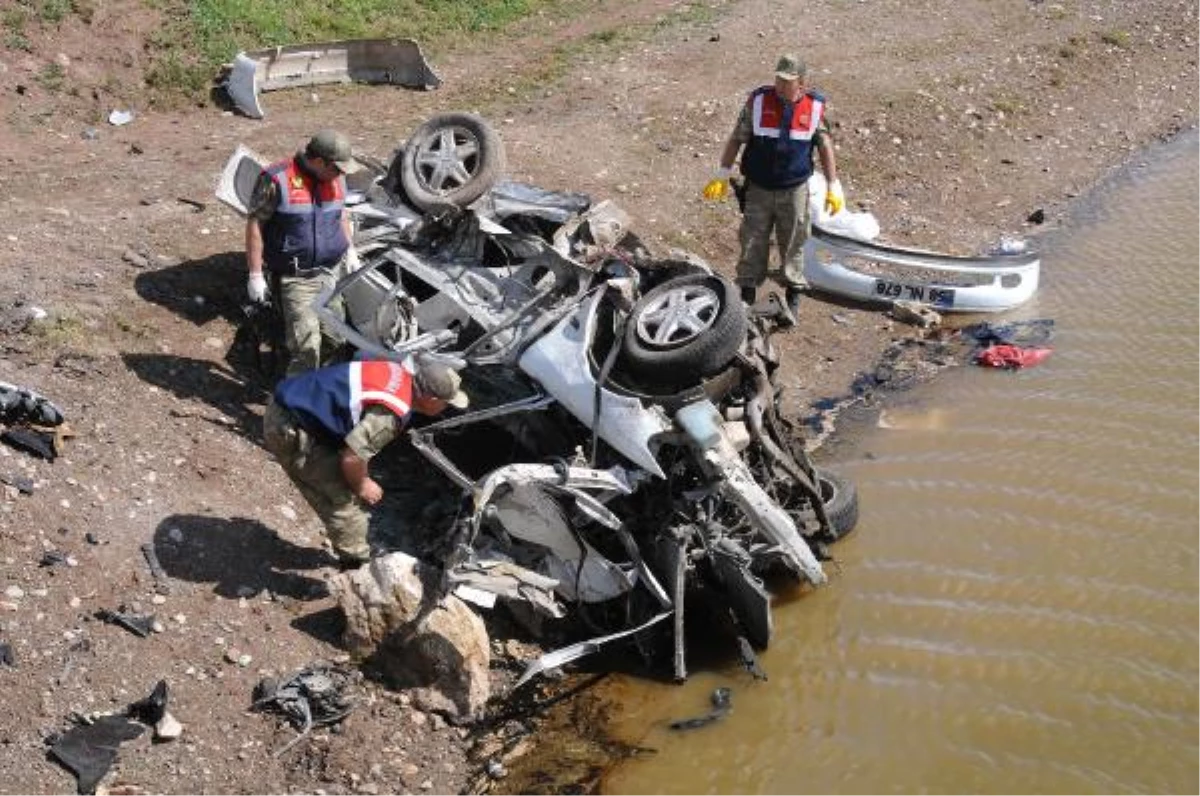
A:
(298, 229)
(325, 425)
(779, 126)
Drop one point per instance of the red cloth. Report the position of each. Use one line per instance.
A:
(1011, 356)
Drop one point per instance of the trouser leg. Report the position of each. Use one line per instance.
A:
(315, 469)
(755, 236)
(308, 345)
(791, 231)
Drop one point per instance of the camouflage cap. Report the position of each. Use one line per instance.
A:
(332, 146)
(435, 380)
(789, 67)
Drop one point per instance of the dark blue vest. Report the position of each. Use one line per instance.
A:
(329, 402)
(305, 232)
(780, 151)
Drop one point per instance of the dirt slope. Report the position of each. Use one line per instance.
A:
(954, 120)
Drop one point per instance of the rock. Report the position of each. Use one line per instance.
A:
(14, 592)
(168, 728)
(443, 653)
(911, 312)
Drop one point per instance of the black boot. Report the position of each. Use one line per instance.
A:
(748, 295)
(793, 301)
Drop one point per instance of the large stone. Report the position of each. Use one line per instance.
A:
(440, 648)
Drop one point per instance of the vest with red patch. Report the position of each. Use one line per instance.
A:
(305, 232)
(780, 151)
(330, 401)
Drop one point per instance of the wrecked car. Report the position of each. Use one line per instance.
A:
(624, 449)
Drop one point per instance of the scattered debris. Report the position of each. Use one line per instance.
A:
(90, 749)
(394, 61)
(151, 709)
(22, 405)
(53, 558)
(138, 624)
(119, 118)
(722, 703)
(156, 568)
(7, 659)
(28, 440)
(317, 695)
(915, 313)
(1011, 357)
(21, 483)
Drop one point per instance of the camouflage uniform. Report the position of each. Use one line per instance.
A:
(785, 211)
(314, 465)
(309, 346)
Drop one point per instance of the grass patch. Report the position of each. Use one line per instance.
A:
(60, 330)
(52, 77)
(198, 36)
(1009, 106)
(1116, 38)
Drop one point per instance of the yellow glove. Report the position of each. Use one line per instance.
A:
(835, 200)
(717, 189)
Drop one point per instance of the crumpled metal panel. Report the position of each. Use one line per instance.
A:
(396, 61)
(559, 361)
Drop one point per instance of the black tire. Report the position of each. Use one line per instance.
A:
(840, 496)
(452, 158)
(702, 345)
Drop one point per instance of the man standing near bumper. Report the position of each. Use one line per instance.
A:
(779, 126)
(297, 229)
(325, 425)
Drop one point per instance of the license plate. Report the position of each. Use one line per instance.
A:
(937, 296)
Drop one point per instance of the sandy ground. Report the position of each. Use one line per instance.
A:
(955, 121)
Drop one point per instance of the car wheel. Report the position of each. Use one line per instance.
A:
(840, 496)
(688, 327)
(452, 158)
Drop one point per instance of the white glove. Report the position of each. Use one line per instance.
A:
(256, 288)
(353, 263)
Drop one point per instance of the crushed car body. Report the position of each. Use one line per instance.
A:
(624, 449)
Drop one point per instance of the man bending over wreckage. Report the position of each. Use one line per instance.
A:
(324, 426)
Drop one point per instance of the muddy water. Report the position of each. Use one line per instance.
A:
(1017, 611)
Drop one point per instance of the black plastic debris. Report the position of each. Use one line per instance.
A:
(722, 703)
(22, 405)
(38, 443)
(91, 538)
(138, 624)
(21, 483)
(7, 659)
(53, 558)
(319, 694)
(749, 659)
(156, 569)
(89, 750)
(151, 709)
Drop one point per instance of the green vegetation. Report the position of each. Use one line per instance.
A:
(52, 77)
(1117, 38)
(200, 35)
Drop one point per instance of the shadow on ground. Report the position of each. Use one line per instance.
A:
(214, 288)
(239, 556)
(198, 290)
(207, 382)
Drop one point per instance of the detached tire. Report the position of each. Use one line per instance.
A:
(684, 329)
(452, 158)
(840, 496)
